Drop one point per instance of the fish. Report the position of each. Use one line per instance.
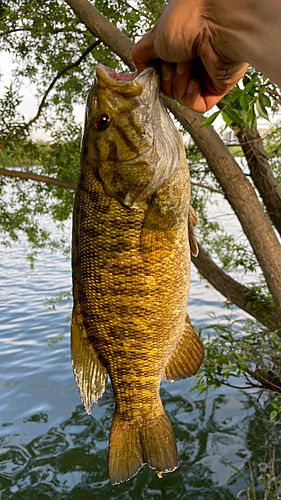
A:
(132, 238)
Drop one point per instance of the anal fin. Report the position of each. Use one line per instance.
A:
(187, 356)
(90, 374)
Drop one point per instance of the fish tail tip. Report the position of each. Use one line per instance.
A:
(132, 446)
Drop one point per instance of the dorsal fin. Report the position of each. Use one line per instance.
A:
(90, 374)
(187, 356)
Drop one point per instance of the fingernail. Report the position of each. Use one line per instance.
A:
(166, 73)
(181, 68)
(190, 87)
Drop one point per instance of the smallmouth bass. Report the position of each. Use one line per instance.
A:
(132, 236)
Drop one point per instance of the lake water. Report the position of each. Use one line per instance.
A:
(51, 449)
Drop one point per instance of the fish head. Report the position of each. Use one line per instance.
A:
(129, 140)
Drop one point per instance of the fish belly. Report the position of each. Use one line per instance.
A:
(133, 309)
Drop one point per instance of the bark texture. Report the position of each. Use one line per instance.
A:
(261, 173)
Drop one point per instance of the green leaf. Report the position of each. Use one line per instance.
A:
(226, 119)
(233, 116)
(261, 109)
(246, 80)
(273, 415)
(265, 100)
(249, 86)
(244, 115)
(210, 120)
(240, 493)
(251, 117)
(244, 103)
(241, 474)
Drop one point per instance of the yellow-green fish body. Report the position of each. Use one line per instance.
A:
(131, 267)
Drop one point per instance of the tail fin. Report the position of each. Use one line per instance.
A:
(132, 446)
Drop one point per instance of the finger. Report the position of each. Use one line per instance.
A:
(205, 91)
(167, 72)
(199, 99)
(143, 52)
(180, 80)
(192, 97)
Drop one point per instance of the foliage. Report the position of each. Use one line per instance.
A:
(25, 202)
(234, 348)
(270, 481)
(247, 101)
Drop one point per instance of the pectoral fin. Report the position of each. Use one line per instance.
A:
(158, 232)
(187, 357)
(90, 374)
(192, 221)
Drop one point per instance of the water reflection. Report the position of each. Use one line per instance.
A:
(69, 461)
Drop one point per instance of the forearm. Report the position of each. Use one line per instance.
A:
(249, 30)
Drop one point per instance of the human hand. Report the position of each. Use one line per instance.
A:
(198, 65)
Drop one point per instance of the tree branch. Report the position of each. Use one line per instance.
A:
(103, 29)
(235, 292)
(52, 84)
(67, 185)
(38, 178)
(261, 173)
(206, 187)
(260, 170)
(130, 6)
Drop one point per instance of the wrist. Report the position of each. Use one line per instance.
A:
(250, 32)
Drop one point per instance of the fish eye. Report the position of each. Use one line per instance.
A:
(102, 121)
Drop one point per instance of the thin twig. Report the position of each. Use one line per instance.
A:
(252, 480)
(268, 382)
(128, 5)
(60, 73)
(206, 187)
(38, 178)
(53, 32)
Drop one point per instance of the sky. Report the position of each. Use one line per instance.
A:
(29, 105)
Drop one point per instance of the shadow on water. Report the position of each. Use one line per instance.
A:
(69, 461)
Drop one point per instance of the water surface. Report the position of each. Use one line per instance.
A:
(50, 447)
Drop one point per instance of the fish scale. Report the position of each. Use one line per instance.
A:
(131, 269)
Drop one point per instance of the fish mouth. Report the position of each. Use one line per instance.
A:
(111, 73)
(127, 84)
